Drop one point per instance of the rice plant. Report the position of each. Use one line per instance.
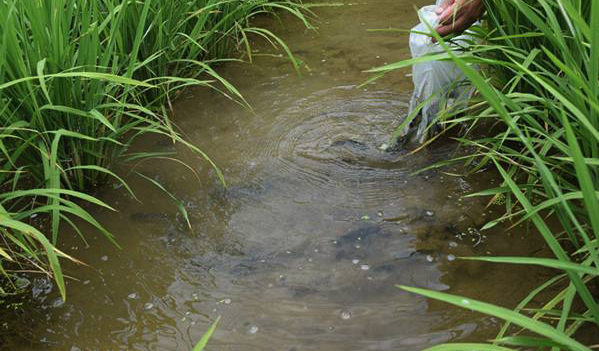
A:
(80, 80)
(540, 86)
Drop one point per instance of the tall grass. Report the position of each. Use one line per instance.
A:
(80, 80)
(540, 83)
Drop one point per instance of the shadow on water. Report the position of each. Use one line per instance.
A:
(302, 251)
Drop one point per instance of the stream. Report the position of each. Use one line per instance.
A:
(304, 247)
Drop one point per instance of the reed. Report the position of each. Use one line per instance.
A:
(540, 84)
(80, 80)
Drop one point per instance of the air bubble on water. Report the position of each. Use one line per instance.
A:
(148, 306)
(133, 296)
(253, 329)
(430, 258)
(379, 213)
(429, 213)
(355, 261)
(195, 296)
(453, 244)
(450, 257)
(358, 246)
(364, 267)
(335, 242)
(345, 315)
(310, 259)
(59, 302)
(187, 313)
(22, 283)
(104, 258)
(316, 250)
(227, 301)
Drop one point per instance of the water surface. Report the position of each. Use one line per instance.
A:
(303, 249)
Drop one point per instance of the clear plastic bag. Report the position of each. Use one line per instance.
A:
(437, 84)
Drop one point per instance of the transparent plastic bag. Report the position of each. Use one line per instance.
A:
(437, 84)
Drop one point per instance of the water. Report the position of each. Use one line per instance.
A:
(304, 248)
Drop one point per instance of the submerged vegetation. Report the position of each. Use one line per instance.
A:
(539, 98)
(79, 81)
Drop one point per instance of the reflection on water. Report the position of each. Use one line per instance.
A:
(303, 249)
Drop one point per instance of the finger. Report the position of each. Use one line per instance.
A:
(454, 27)
(441, 8)
(444, 30)
(449, 15)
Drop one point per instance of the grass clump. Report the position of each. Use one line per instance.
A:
(79, 81)
(540, 87)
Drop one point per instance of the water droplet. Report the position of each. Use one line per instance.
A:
(450, 257)
(364, 267)
(355, 261)
(148, 306)
(22, 283)
(253, 329)
(59, 302)
(345, 315)
(133, 296)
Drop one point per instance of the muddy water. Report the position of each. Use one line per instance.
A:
(303, 249)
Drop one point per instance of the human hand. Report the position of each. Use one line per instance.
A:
(455, 16)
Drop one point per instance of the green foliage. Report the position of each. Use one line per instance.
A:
(540, 85)
(206, 337)
(80, 80)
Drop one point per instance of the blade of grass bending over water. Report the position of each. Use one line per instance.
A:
(518, 319)
(206, 337)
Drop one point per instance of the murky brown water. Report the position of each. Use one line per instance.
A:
(303, 249)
